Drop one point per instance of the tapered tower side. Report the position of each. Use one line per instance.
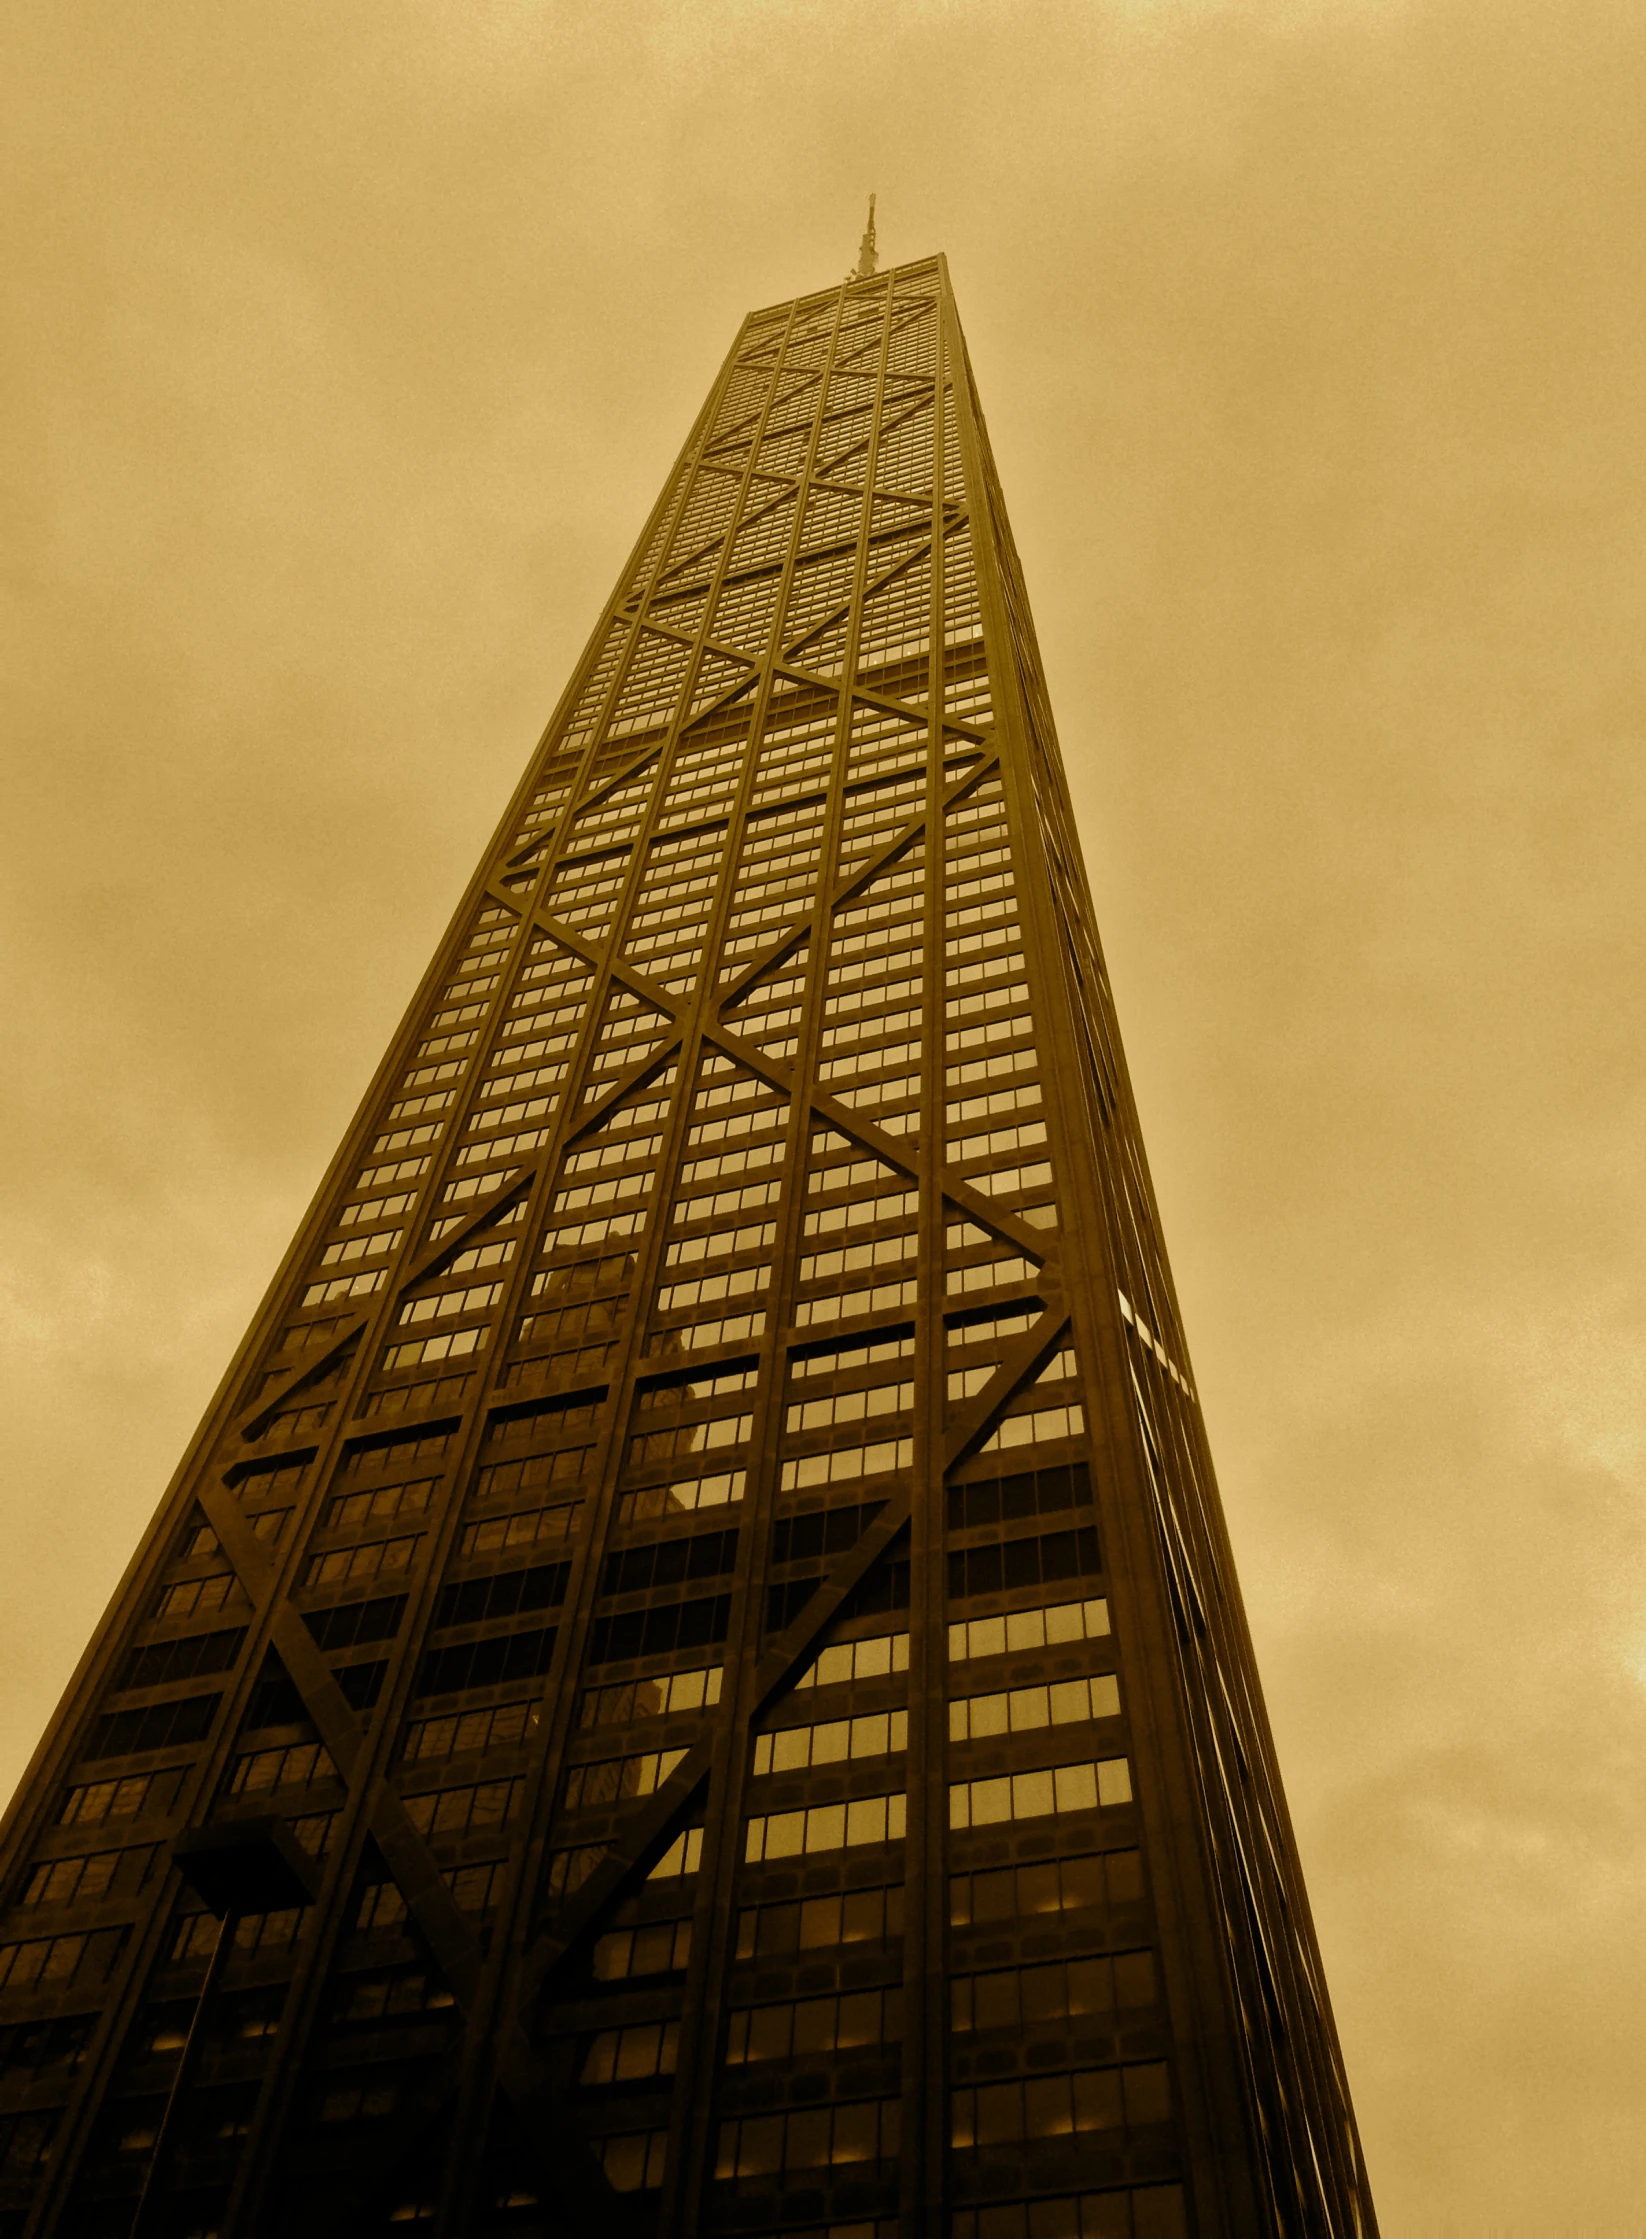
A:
(709, 1546)
(137, 1752)
(1258, 2047)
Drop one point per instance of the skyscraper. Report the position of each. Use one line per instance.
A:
(692, 1681)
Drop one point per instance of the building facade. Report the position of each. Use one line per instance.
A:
(703, 1587)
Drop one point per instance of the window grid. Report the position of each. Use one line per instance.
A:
(663, 808)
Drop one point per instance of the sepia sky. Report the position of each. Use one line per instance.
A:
(345, 351)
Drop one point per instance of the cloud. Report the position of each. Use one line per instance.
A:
(353, 347)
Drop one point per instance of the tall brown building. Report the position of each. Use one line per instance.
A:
(692, 1680)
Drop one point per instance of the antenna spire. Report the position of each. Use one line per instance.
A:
(866, 258)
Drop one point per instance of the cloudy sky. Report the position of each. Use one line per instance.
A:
(345, 350)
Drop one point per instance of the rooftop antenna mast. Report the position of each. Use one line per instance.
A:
(866, 258)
